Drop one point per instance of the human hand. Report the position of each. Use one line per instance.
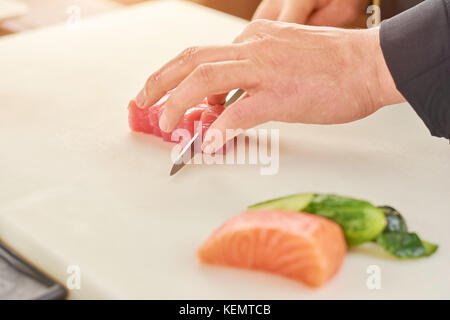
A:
(290, 72)
(336, 13)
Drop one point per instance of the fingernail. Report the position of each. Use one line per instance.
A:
(140, 99)
(163, 123)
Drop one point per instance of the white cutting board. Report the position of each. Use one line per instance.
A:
(78, 188)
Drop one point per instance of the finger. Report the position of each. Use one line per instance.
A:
(217, 98)
(173, 72)
(334, 15)
(297, 11)
(243, 114)
(268, 9)
(253, 29)
(206, 79)
(140, 98)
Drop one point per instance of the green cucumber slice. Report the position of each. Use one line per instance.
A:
(395, 221)
(398, 241)
(295, 202)
(360, 220)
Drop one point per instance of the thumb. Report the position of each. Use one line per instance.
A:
(334, 15)
(268, 9)
(243, 114)
(297, 11)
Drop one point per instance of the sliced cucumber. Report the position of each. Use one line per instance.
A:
(295, 202)
(430, 248)
(398, 241)
(360, 220)
(395, 221)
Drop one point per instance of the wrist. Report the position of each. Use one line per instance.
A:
(384, 91)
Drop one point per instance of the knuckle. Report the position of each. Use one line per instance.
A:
(257, 24)
(152, 81)
(154, 78)
(259, 44)
(262, 37)
(188, 55)
(205, 72)
(242, 51)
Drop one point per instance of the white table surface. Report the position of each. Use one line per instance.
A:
(78, 188)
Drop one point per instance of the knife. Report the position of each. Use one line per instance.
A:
(178, 163)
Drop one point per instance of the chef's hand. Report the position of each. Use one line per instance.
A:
(337, 13)
(290, 72)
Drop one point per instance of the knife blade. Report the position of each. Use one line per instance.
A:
(178, 164)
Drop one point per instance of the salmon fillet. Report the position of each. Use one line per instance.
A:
(301, 246)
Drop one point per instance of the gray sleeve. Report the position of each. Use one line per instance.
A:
(416, 47)
(390, 8)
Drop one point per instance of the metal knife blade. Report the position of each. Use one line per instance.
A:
(179, 163)
(234, 97)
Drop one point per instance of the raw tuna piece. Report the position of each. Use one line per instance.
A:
(302, 246)
(210, 115)
(191, 116)
(138, 118)
(153, 117)
(147, 120)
